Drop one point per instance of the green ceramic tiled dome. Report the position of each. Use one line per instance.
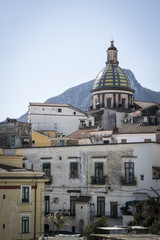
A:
(112, 76)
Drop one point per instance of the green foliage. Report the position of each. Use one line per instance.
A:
(155, 227)
(56, 219)
(92, 228)
(147, 214)
(125, 211)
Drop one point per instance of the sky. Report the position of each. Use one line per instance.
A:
(48, 46)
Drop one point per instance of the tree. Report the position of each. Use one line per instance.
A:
(92, 228)
(155, 227)
(56, 219)
(147, 214)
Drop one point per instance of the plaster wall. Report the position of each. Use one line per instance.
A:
(21, 132)
(66, 121)
(40, 139)
(109, 119)
(136, 137)
(82, 213)
(113, 157)
(11, 209)
(119, 118)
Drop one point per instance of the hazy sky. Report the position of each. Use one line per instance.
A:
(48, 46)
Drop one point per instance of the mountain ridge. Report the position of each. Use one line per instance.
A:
(80, 97)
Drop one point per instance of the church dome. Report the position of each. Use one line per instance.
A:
(112, 87)
(112, 76)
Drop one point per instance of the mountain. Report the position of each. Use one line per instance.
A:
(80, 96)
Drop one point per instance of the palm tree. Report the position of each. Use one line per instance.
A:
(56, 219)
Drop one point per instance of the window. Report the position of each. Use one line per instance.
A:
(46, 169)
(100, 206)
(90, 123)
(47, 204)
(106, 141)
(129, 172)
(123, 102)
(55, 126)
(113, 209)
(25, 224)
(108, 102)
(142, 177)
(73, 170)
(4, 196)
(82, 123)
(12, 140)
(99, 173)
(25, 194)
(73, 205)
(123, 140)
(60, 158)
(4, 226)
(59, 109)
(61, 142)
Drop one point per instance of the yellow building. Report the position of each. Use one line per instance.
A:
(50, 138)
(40, 140)
(22, 200)
(49, 133)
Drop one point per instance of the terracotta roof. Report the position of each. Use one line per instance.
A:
(55, 105)
(137, 128)
(144, 105)
(48, 104)
(82, 133)
(135, 113)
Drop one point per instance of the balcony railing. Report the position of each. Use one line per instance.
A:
(131, 181)
(64, 212)
(95, 214)
(49, 180)
(98, 180)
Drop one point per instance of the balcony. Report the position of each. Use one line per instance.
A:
(99, 180)
(49, 180)
(106, 214)
(63, 212)
(131, 181)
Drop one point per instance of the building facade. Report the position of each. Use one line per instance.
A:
(15, 134)
(61, 118)
(22, 200)
(90, 181)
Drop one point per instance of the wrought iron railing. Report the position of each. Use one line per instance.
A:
(98, 180)
(50, 180)
(131, 181)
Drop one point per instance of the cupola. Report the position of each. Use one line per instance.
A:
(112, 87)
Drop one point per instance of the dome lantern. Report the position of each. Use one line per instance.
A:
(112, 54)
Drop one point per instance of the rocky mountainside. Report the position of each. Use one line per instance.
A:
(80, 96)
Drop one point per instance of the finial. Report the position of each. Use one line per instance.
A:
(112, 43)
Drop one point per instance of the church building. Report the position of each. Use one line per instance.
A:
(112, 95)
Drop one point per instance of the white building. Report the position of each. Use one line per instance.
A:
(126, 133)
(89, 181)
(62, 118)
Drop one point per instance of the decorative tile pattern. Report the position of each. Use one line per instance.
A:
(112, 76)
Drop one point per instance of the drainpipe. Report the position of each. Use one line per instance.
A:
(35, 212)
